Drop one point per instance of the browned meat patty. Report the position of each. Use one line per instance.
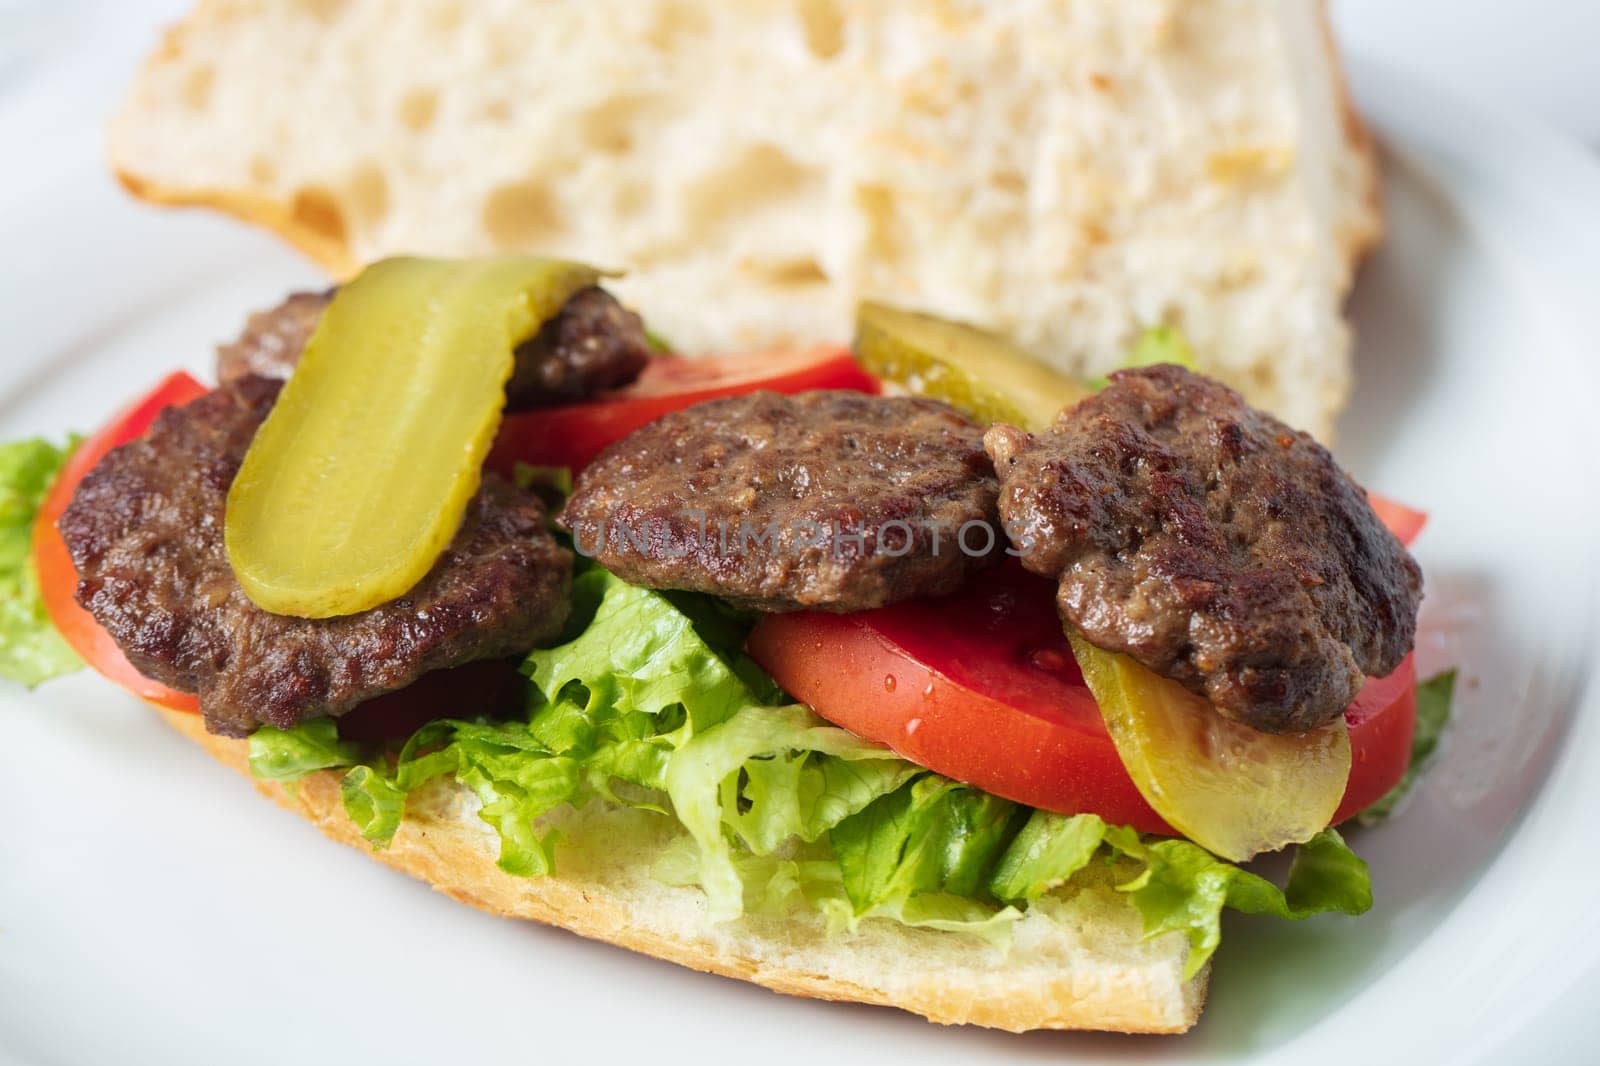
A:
(827, 500)
(594, 344)
(145, 532)
(1212, 543)
(273, 339)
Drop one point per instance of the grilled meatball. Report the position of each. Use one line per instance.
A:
(593, 344)
(1212, 543)
(146, 533)
(273, 339)
(827, 500)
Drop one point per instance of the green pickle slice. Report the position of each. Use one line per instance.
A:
(359, 477)
(966, 367)
(1225, 786)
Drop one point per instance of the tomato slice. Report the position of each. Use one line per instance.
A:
(573, 435)
(58, 579)
(982, 686)
(1381, 722)
(1402, 521)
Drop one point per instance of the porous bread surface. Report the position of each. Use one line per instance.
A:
(1066, 171)
(1079, 960)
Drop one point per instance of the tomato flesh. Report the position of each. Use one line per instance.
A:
(573, 435)
(1381, 720)
(58, 578)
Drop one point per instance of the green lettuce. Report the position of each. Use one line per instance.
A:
(31, 651)
(649, 703)
(1434, 697)
(1156, 345)
(290, 754)
(1184, 888)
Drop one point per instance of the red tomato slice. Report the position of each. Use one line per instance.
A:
(983, 687)
(58, 579)
(1402, 521)
(573, 435)
(1381, 721)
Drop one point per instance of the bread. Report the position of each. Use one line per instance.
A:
(1079, 962)
(1068, 172)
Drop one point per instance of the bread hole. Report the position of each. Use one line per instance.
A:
(263, 171)
(609, 126)
(824, 27)
(496, 110)
(418, 107)
(630, 197)
(506, 51)
(197, 86)
(675, 22)
(884, 242)
(761, 176)
(368, 195)
(447, 17)
(315, 209)
(793, 272)
(1010, 181)
(521, 215)
(321, 10)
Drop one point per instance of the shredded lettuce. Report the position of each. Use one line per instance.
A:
(31, 651)
(649, 703)
(1434, 697)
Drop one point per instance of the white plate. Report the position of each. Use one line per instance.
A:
(153, 909)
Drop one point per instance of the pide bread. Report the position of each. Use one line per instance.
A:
(1078, 960)
(1067, 173)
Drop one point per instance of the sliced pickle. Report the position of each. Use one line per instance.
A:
(966, 367)
(1227, 787)
(359, 477)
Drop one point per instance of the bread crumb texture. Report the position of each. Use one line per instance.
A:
(1079, 960)
(1067, 171)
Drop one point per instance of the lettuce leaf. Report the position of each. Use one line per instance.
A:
(31, 651)
(649, 703)
(1184, 887)
(1434, 698)
(290, 754)
(764, 777)
(1045, 854)
(1156, 345)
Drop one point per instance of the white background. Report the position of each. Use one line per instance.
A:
(1539, 55)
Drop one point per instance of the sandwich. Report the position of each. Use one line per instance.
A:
(910, 673)
(963, 668)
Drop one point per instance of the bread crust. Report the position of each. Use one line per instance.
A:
(454, 860)
(332, 255)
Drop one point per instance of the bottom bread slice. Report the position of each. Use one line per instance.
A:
(1078, 961)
